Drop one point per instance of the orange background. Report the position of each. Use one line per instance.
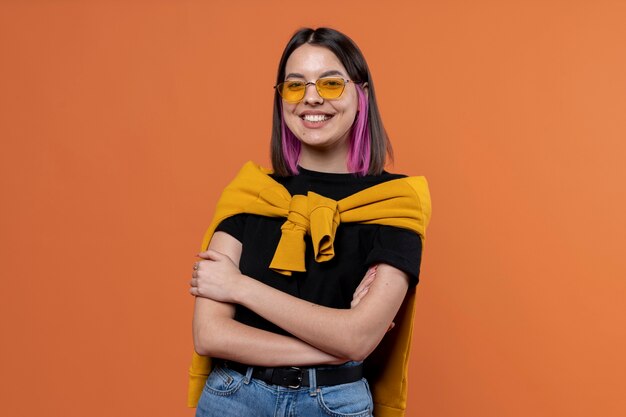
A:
(122, 121)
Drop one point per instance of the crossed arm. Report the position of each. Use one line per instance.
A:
(327, 335)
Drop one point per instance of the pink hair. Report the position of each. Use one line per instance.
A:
(359, 154)
(291, 145)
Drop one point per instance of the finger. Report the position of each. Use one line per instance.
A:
(203, 255)
(358, 298)
(361, 293)
(211, 255)
(193, 282)
(207, 254)
(369, 277)
(371, 271)
(355, 302)
(366, 282)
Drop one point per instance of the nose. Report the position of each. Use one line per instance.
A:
(311, 96)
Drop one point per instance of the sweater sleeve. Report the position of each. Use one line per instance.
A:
(400, 248)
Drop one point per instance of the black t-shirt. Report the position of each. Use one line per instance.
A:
(357, 247)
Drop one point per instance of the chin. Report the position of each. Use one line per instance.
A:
(321, 143)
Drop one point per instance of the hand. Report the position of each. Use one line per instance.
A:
(215, 277)
(364, 287)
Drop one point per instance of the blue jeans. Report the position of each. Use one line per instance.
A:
(227, 393)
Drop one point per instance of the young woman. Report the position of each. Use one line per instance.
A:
(308, 264)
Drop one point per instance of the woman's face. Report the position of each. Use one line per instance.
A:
(309, 63)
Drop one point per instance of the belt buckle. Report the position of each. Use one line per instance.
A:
(299, 378)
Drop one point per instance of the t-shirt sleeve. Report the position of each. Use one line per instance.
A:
(233, 225)
(400, 248)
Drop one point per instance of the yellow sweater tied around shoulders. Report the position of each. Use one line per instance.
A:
(404, 203)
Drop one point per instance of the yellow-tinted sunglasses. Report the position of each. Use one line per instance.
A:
(292, 91)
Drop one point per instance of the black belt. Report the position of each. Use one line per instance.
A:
(294, 377)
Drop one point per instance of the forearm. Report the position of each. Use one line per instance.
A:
(325, 328)
(351, 333)
(344, 333)
(221, 336)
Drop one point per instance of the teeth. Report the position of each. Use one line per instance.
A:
(315, 117)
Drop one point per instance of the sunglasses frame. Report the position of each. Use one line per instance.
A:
(307, 83)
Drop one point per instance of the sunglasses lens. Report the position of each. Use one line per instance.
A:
(291, 91)
(330, 88)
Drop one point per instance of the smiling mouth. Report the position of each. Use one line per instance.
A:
(316, 118)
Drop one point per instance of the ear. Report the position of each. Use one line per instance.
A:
(366, 89)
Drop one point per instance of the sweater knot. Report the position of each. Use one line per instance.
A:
(313, 215)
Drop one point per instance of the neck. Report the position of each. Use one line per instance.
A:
(325, 160)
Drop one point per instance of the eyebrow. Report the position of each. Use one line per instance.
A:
(322, 75)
